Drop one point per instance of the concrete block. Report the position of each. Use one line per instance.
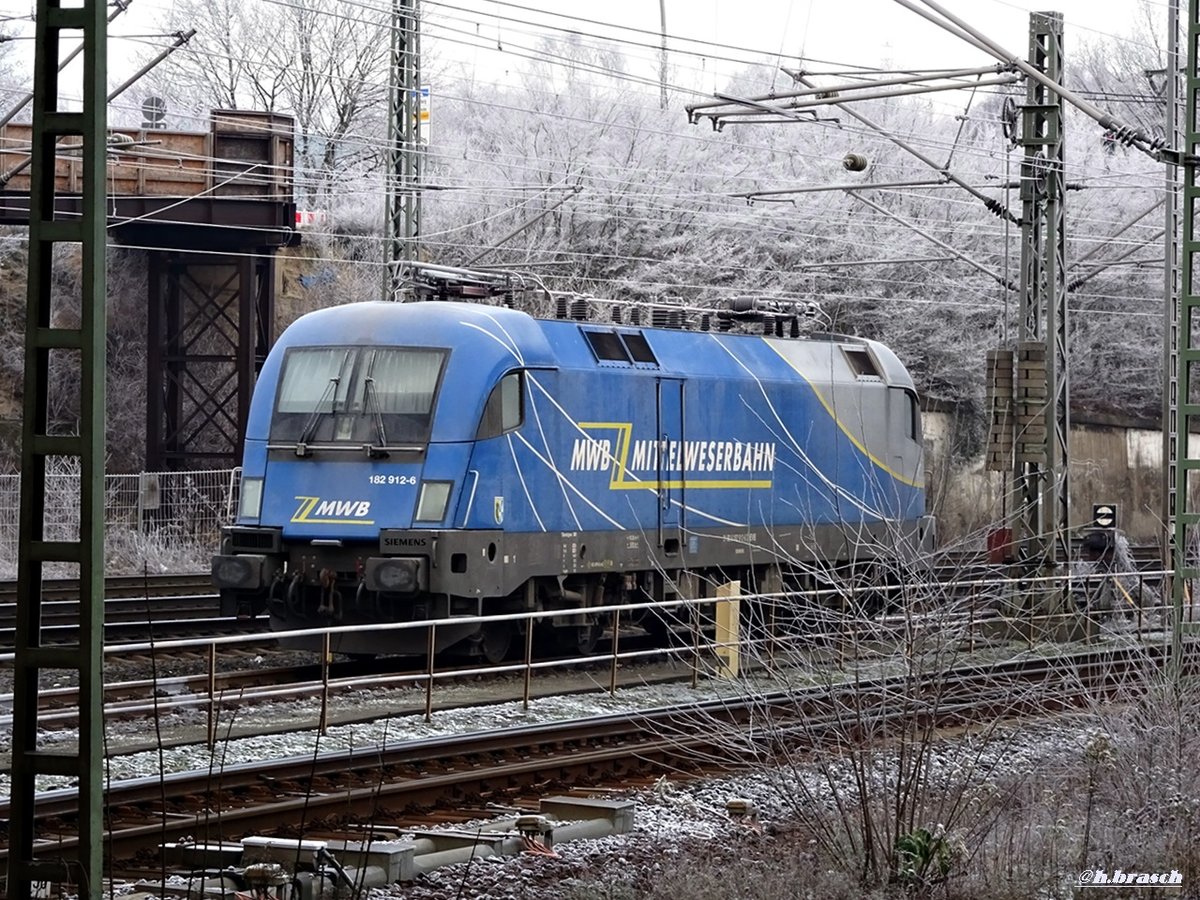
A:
(618, 812)
(395, 858)
(452, 839)
(285, 851)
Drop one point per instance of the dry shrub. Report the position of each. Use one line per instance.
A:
(893, 806)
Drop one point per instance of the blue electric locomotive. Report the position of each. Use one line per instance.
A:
(421, 460)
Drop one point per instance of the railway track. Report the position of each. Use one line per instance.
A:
(150, 626)
(135, 608)
(144, 698)
(374, 785)
(203, 700)
(116, 586)
(195, 678)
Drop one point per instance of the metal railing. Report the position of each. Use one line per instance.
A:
(823, 631)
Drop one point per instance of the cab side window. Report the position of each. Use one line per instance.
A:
(505, 408)
(905, 415)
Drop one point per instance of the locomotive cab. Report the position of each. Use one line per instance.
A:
(357, 492)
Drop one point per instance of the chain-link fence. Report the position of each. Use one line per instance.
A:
(154, 521)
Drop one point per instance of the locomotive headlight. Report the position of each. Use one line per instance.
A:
(238, 571)
(398, 576)
(395, 574)
(434, 497)
(250, 504)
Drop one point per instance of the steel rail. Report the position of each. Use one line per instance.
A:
(119, 586)
(375, 781)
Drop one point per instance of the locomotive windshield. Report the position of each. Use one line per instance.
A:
(378, 396)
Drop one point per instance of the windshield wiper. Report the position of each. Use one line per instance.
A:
(371, 402)
(330, 393)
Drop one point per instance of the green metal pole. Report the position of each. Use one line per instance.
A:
(47, 534)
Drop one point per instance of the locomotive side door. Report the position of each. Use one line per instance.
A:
(671, 453)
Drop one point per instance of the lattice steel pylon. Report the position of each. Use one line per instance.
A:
(403, 188)
(82, 543)
(1173, 129)
(1187, 406)
(1042, 501)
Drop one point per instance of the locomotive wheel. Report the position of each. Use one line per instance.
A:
(495, 641)
(580, 641)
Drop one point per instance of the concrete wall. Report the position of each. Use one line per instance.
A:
(1110, 463)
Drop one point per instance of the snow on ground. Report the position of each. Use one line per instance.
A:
(302, 739)
(679, 826)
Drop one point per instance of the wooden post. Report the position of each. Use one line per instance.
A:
(728, 628)
(429, 679)
(326, 656)
(616, 641)
(212, 697)
(528, 662)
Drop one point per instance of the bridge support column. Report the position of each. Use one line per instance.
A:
(210, 324)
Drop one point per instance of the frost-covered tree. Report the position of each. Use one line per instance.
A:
(10, 82)
(324, 63)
